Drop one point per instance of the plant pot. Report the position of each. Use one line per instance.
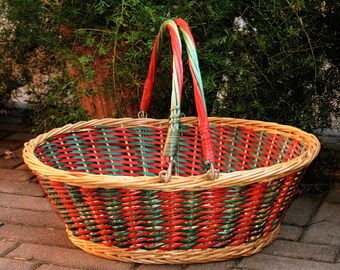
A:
(102, 101)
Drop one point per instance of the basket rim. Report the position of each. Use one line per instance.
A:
(200, 182)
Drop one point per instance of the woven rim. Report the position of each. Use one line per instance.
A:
(200, 182)
(175, 256)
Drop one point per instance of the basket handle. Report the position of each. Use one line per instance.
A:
(171, 144)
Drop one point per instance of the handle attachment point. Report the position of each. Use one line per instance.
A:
(213, 173)
(142, 114)
(165, 175)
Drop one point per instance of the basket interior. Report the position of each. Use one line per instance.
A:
(137, 151)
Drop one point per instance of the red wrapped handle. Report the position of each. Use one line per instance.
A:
(177, 85)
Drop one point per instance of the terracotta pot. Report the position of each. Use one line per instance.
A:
(102, 103)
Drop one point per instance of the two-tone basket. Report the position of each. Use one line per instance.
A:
(184, 190)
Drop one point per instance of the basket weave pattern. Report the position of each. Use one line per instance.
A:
(103, 178)
(137, 151)
(234, 210)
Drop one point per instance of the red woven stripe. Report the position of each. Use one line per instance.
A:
(172, 215)
(240, 149)
(132, 213)
(222, 216)
(177, 56)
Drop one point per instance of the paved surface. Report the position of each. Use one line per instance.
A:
(32, 236)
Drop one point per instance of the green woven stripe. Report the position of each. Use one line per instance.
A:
(189, 204)
(255, 154)
(139, 149)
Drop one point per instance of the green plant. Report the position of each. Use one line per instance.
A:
(281, 65)
(55, 108)
(321, 175)
(274, 60)
(31, 53)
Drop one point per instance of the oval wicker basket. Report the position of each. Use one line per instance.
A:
(184, 190)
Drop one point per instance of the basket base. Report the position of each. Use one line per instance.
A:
(175, 256)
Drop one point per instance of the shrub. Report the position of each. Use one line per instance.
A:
(274, 60)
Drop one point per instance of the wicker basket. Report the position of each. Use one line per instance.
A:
(184, 190)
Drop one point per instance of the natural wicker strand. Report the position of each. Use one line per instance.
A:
(197, 182)
(176, 256)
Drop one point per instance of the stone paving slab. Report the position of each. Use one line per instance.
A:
(270, 262)
(54, 267)
(14, 201)
(19, 188)
(160, 267)
(334, 195)
(15, 175)
(7, 246)
(22, 166)
(331, 143)
(34, 235)
(20, 136)
(31, 218)
(14, 162)
(12, 264)
(291, 233)
(301, 209)
(11, 127)
(10, 163)
(306, 251)
(11, 145)
(325, 227)
(66, 257)
(213, 266)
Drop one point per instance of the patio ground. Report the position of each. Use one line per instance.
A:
(32, 237)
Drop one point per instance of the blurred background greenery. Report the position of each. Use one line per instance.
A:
(268, 60)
